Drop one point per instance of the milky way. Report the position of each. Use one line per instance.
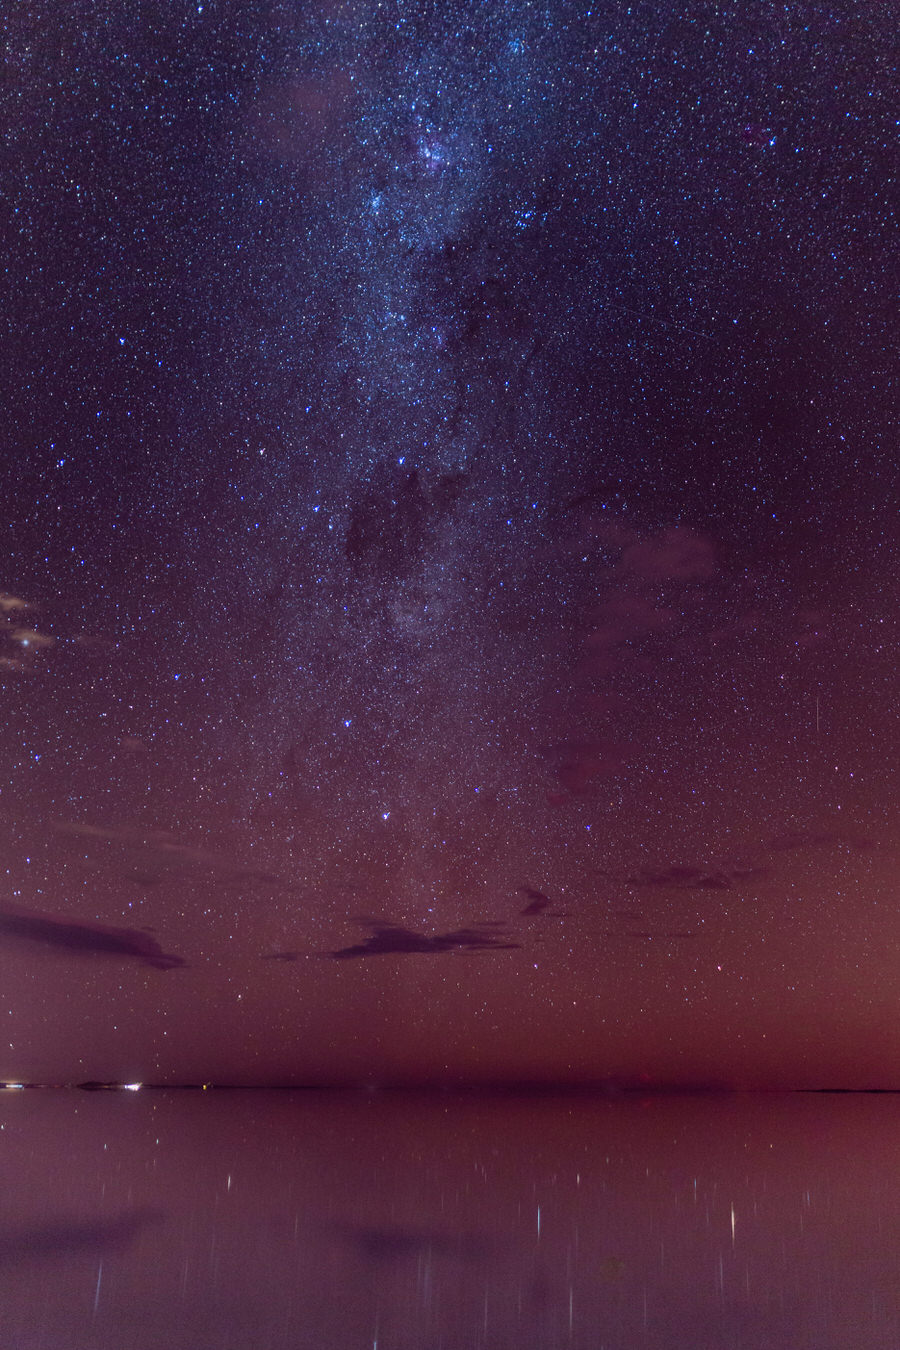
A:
(449, 466)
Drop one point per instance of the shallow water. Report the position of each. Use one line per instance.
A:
(259, 1220)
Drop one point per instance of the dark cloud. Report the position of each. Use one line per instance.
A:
(81, 938)
(537, 901)
(749, 873)
(384, 1245)
(66, 1239)
(691, 878)
(282, 956)
(390, 939)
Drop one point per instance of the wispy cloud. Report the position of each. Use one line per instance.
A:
(675, 554)
(10, 604)
(151, 856)
(30, 637)
(579, 764)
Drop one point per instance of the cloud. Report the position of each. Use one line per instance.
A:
(381, 1245)
(30, 637)
(391, 940)
(95, 641)
(688, 878)
(132, 743)
(538, 902)
(11, 603)
(85, 938)
(813, 628)
(579, 764)
(300, 121)
(681, 878)
(752, 621)
(66, 1239)
(789, 840)
(634, 568)
(28, 641)
(588, 522)
(675, 555)
(16, 628)
(622, 618)
(647, 935)
(152, 856)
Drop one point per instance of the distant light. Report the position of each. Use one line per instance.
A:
(131, 1087)
(385, 815)
(13, 1087)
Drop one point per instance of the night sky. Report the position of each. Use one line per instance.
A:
(449, 582)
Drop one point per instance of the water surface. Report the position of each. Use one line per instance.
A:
(257, 1220)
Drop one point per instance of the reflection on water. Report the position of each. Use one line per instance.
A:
(344, 1221)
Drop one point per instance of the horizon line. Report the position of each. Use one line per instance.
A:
(607, 1087)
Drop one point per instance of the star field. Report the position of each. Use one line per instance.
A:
(449, 593)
